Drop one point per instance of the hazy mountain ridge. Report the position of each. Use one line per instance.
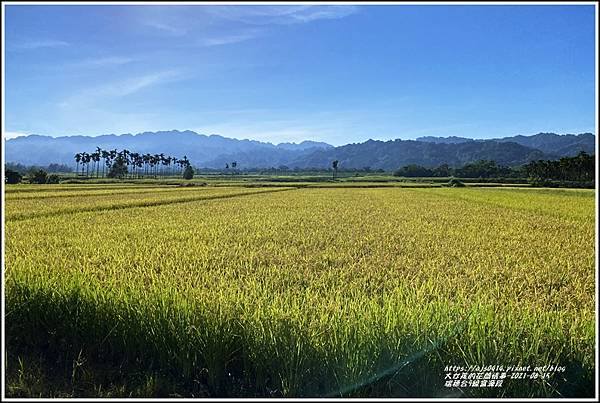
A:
(199, 148)
(214, 151)
(303, 146)
(261, 158)
(555, 143)
(444, 140)
(390, 155)
(560, 144)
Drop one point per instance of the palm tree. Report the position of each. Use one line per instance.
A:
(96, 159)
(156, 162)
(139, 163)
(334, 164)
(163, 161)
(83, 158)
(110, 156)
(78, 160)
(105, 156)
(146, 158)
(87, 159)
(113, 155)
(83, 154)
(184, 163)
(169, 160)
(125, 154)
(150, 158)
(133, 160)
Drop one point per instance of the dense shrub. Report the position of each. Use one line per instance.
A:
(53, 178)
(40, 176)
(455, 183)
(12, 177)
(119, 168)
(413, 171)
(192, 184)
(188, 172)
(567, 169)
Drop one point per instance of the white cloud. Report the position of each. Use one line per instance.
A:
(103, 62)
(119, 88)
(324, 13)
(37, 44)
(167, 28)
(228, 39)
(208, 26)
(136, 84)
(282, 15)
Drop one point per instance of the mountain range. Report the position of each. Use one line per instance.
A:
(551, 143)
(214, 151)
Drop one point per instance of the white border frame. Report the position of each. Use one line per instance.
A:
(422, 3)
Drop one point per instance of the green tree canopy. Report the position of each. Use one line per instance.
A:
(188, 172)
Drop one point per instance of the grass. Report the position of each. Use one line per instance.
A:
(51, 204)
(307, 292)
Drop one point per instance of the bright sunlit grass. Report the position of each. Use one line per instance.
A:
(308, 292)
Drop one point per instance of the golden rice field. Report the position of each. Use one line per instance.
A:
(293, 292)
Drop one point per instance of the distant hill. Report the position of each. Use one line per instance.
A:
(199, 148)
(263, 158)
(214, 151)
(552, 143)
(390, 155)
(563, 145)
(303, 146)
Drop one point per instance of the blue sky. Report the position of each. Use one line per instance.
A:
(339, 74)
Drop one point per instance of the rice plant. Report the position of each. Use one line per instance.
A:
(307, 292)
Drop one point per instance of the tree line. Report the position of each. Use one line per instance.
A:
(580, 168)
(38, 176)
(567, 171)
(476, 169)
(15, 172)
(27, 169)
(127, 164)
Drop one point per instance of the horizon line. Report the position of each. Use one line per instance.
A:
(16, 135)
